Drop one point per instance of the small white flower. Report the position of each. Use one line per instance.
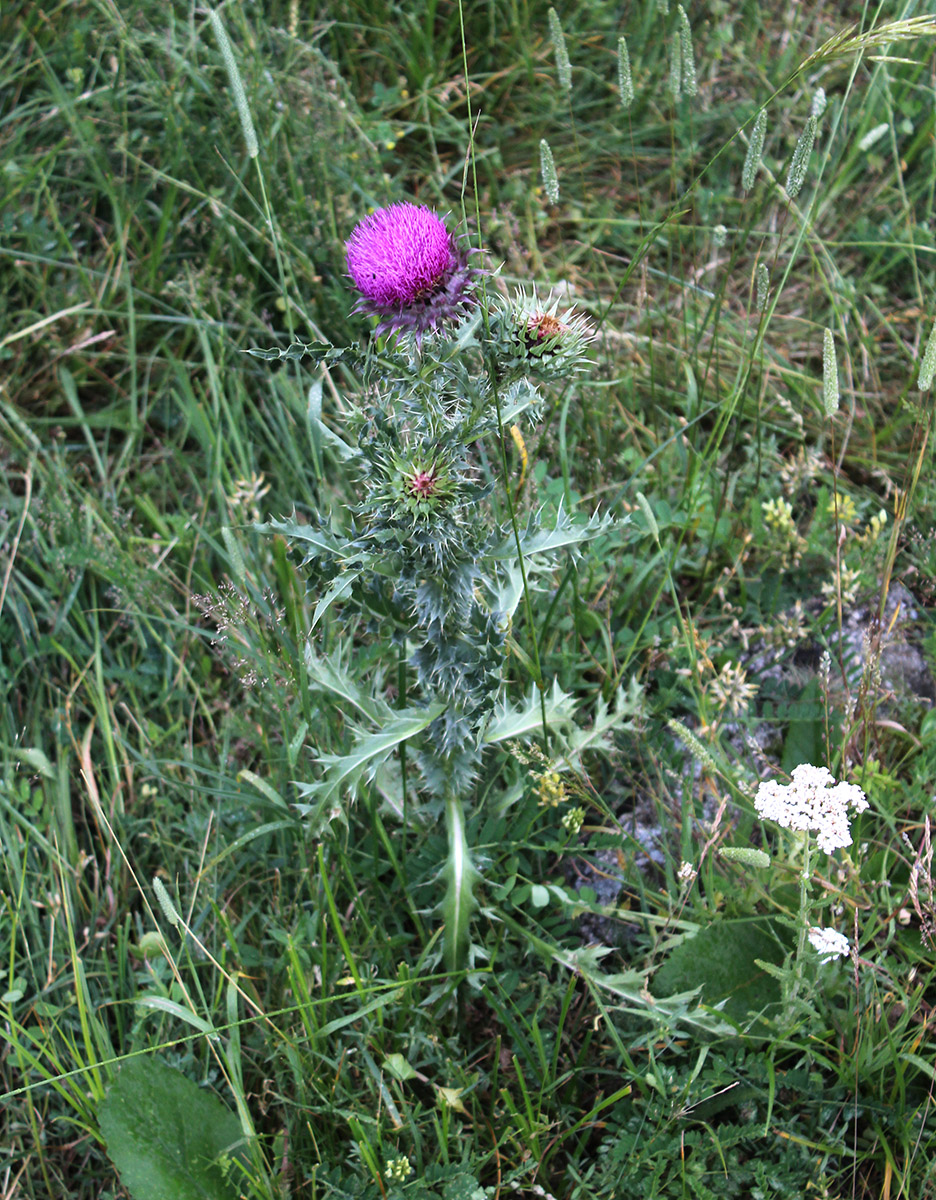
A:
(829, 942)
(813, 801)
(686, 872)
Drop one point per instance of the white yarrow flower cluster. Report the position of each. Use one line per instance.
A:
(812, 802)
(829, 942)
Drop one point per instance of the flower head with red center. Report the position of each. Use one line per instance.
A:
(410, 271)
(532, 337)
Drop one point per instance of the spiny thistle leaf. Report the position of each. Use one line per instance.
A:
(344, 773)
(527, 718)
(327, 673)
(597, 737)
(315, 540)
(338, 590)
(564, 532)
(319, 351)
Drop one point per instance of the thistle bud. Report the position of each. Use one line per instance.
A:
(532, 338)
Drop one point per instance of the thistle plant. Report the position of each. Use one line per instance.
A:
(423, 560)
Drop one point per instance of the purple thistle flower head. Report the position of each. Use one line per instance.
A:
(410, 271)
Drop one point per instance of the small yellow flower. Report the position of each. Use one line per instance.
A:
(398, 1169)
(778, 515)
(876, 527)
(550, 789)
(847, 512)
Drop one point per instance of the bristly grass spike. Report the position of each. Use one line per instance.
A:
(762, 286)
(799, 163)
(928, 366)
(625, 78)
(689, 82)
(830, 383)
(674, 76)
(165, 902)
(752, 159)
(237, 86)
(548, 171)
(557, 37)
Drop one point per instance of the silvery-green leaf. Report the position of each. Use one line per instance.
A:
(563, 532)
(339, 588)
(527, 718)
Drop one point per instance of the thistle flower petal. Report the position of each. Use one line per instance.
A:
(409, 269)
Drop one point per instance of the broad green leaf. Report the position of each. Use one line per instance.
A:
(462, 878)
(37, 759)
(805, 737)
(168, 1138)
(399, 1067)
(722, 959)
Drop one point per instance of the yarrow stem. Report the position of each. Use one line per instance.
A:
(812, 803)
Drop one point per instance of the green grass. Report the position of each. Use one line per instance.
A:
(155, 712)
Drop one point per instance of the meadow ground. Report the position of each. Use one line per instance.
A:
(224, 997)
